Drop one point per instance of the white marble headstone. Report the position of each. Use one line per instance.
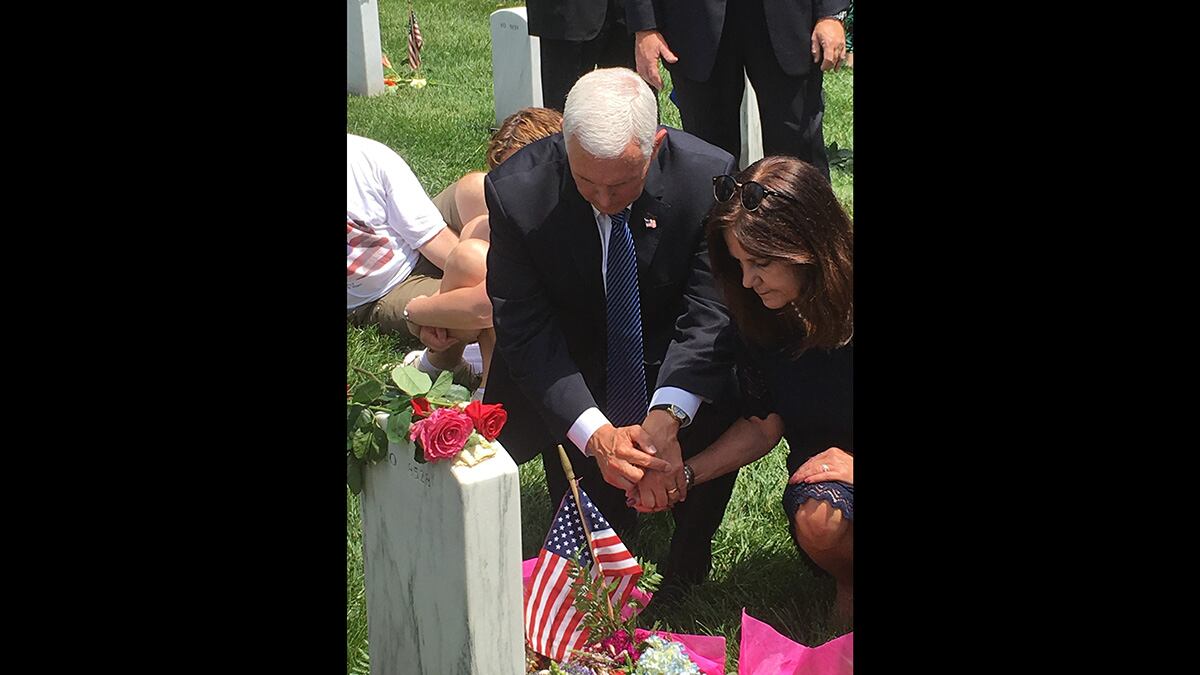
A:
(364, 53)
(752, 149)
(442, 557)
(516, 63)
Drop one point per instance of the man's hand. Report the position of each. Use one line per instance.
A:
(620, 451)
(828, 43)
(659, 490)
(648, 47)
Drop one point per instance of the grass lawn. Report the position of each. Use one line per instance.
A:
(441, 131)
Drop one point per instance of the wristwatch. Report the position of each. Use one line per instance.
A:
(689, 476)
(839, 17)
(676, 412)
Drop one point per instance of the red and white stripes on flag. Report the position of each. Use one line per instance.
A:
(552, 625)
(414, 41)
(366, 251)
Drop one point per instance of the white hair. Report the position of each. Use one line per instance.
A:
(606, 109)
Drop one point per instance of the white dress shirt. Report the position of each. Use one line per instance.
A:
(592, 419)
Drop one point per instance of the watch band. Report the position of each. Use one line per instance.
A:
(675, 411)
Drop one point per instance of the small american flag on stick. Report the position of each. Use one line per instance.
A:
(552, 625)
(414, 41)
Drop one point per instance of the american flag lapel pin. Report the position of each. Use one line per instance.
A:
(651, 223)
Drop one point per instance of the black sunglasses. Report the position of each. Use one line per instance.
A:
(752, 193)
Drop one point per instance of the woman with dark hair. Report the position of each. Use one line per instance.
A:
(781, 249)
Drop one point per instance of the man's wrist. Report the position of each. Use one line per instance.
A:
(660, 416)
(840, 17)
(675, 412)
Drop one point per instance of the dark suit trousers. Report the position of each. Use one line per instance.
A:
(564, 61)
(791, 109)
(696, 518)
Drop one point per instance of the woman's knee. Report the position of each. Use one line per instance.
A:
(467, 263)
(469, 196)
(476, 228)
(820, 526)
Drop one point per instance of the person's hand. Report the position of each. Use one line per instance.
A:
(657, 491)
(437, 339)
(829, 44)
(648, 47)
(619, 453)
(833, 464)
(660, 490)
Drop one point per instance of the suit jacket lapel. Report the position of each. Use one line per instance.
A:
(650, 213)
(581, 236)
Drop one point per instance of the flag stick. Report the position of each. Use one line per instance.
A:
(587, 530)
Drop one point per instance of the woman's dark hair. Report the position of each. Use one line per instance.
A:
(813, 234)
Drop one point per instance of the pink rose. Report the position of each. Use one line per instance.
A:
(443, 434)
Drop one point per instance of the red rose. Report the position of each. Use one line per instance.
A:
(442, 435)
(421, 407)
(489, 419)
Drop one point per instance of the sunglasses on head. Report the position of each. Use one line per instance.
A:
(724, 187)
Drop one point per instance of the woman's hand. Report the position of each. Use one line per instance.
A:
(833, 464)
(437, 339)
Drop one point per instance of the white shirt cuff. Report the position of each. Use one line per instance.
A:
(684, 399)
(587, 424)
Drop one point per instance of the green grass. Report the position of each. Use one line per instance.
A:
(441, 131)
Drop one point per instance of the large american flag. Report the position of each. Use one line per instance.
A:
(551, 621)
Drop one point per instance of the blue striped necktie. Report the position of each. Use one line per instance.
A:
(626, 374)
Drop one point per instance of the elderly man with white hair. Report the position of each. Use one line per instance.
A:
(610, 336)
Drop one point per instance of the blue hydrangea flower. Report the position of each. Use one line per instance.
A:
(664, 657)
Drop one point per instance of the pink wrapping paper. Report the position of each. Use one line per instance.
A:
(706, 651)
(764, 651)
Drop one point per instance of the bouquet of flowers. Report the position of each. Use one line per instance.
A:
(410, 407)
(614, 645)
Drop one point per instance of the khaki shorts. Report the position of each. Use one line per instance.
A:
(447, 205)
(388, 311)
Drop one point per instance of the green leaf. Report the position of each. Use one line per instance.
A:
(397, 426)
(378, 446)
(458, 393)
(411, 381)
(360, 449)
(367, 391)
(399, 405)
(354, 475)
(352, 416)
(439, 389)
(365, 420)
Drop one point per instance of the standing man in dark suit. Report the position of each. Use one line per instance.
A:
(577, 36)
(783, 45)
(610, 336)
